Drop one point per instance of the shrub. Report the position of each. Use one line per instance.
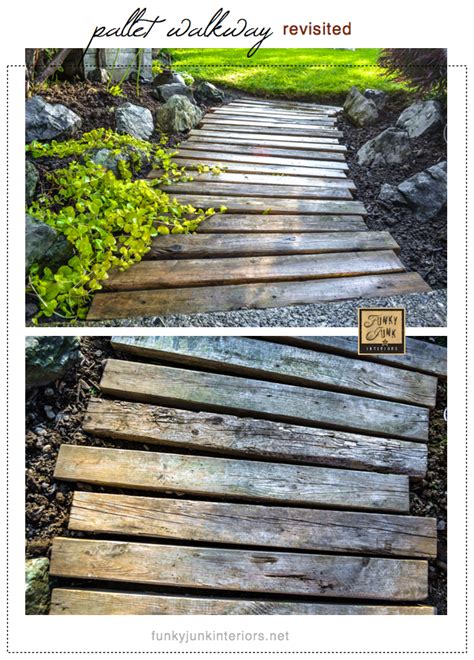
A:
(424, 70)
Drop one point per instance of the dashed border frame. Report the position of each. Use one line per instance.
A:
(7, 403)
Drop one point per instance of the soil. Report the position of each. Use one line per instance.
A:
(423, 245)
(54, 416)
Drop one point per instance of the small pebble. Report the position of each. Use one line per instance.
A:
(441, 526)
(47, 449)
(49, 394)
(60, 498)
(50, 414)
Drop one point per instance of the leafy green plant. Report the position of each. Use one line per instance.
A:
(116, 90)
(110, 219)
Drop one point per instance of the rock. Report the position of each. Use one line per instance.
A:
(391, 147)
(44, 245)
(168, 78)
(390, 195)
(360, 111)
(426, 192)
(99, 75)
(45, 121)
(145, 76)
(377, 96)
(178, 114)
(49, 358)
(31, 181)
(208, 94)
(420, 118)
(165, 92)
(441, 526)
(110, 160)
(36, 586)
(134, 120)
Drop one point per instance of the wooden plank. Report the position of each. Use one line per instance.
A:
(280, 205)
(251, 296)
(250, 179)
(240, 270)
(420, 355)
(241, 570)
(286, 364)
(229, 125)
(255, 525)
(222, 223)
(308, 153)
(225, 156)
(94, 602)
(256, 113)
(250, 122)
(242, 190)
(257, 168)
(257, 438)
(293, 106)
(256, 140)
(204, 246)
(229, 478)
(215, 392)
(332, 144)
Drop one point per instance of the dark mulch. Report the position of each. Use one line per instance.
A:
(54, 416)
(423, 244)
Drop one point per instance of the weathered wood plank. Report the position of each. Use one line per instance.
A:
(203, 246)
(229, 125)
(294, 139)
(222, 223)
(227, 477)
(257, 438)
(278, 206)
(216, 392)
(255, 525)
(243, 190)
(260, 141)
(282, 180)
(260, 168)
(241, 570)
(181, 273)
(273, 116)
(224, 156)
(250, 296)
(420, 355)
(294, 106)
(288, 364)
(92, 602)
(318, 121)
(307, 153)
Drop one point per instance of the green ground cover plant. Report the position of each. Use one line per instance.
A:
(313, 75)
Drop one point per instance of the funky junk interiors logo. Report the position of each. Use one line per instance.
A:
(382, 331)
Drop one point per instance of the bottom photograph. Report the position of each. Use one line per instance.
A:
(231, 475)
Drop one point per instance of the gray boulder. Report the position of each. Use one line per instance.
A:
(420, 118)
(36, 586)
(426, 192)
(377, 96)
(134, 120)
(31, 181)
(44, 245)
(99, 75)
(110, 160)
(208, 94)
(45, 121)
(360, 111)
(390, 195)
(168, 78)
(177, 115)
(391, 147)
(165, 92)
(49, 358)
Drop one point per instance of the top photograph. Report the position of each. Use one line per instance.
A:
(201, 188)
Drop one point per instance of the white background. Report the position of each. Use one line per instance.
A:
(400, 24)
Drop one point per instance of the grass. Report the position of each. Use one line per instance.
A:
(301, 72)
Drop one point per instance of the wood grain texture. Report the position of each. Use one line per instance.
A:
(273, 116)
(420, 355)
(252, 438)
(205, 246)
(324, 143)
(257, 179)
(222, 223)
(275, 206)
(294, 106)
(251, 296)
(270, 122)
(279, 152)
(275, 141)
(225, 477)
(239, 270)
(283, 129)
(256, 167)
(224, 156)
(286, 364)
(241, 570)
(254, 525)
(92, 602)
(151, 383)
(242, 190)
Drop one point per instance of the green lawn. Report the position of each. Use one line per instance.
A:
(311, 77)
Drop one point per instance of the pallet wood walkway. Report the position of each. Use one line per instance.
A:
(267, 516)
(292, 232)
